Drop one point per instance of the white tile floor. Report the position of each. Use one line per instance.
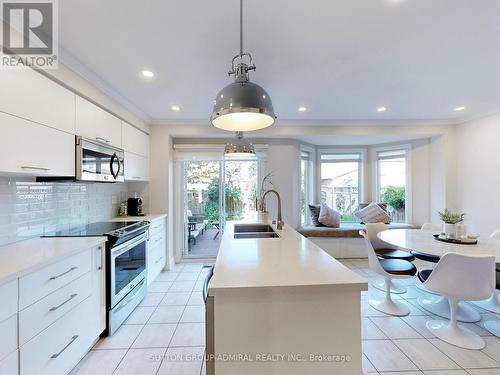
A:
(168, 327)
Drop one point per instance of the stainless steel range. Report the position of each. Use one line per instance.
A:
(126, 270)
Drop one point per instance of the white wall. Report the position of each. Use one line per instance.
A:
(478, 174)
(283, 160)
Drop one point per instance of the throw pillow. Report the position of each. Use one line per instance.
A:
(373, 214)
(314, 209)
(328, 216)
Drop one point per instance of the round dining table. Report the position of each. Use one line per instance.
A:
(424, 246)
(422, 241)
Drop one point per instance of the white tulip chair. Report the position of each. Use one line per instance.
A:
(389, 269)
(386, 251)
(460, 277)
(492, 304)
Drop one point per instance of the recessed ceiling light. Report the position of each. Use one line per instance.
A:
(458, 109)
(302, 109)
(176, 108)
(381, 109)
(148, 73)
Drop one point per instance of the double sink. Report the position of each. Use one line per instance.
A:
(254, 231)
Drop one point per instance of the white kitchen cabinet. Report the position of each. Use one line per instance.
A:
(99, 287)
(28, 94)
(95, 123)
(135, 140)
(8, 335)
(136, 167)
(43, 313)
(30, 148)
(9, 297)
(9, 365)
(41, 283)
(156, 248)
(57, 349)
(69, 314)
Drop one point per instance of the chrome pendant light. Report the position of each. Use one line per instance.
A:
(239, 148)
(242, 105)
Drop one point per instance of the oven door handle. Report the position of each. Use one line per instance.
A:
(120, 250)
(127, 299)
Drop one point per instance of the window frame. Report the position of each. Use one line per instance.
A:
(362, 182)
(310, 181)
(408, 195)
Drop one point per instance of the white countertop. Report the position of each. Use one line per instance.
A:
(23, 257)
(289, 261)
(139, 218)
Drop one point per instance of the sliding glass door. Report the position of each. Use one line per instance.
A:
(215, 191)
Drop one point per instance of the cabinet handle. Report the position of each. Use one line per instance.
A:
(102, 139)
(136, 177)
(64, 273)
(36, 168)
(55, 355)
(65, 302)
(99, 266)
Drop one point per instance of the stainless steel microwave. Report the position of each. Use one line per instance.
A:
(96, 161)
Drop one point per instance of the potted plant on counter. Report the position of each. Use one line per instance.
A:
(450, 221)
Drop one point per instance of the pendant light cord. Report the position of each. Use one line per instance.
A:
(241, 28)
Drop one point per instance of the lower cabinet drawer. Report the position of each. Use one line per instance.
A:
(43, 313)
(9, 297)
(58, 349)
(8, 336)
(37, 285)
(156, 261)
(9, 365)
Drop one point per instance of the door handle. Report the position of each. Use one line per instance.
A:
(112, 165)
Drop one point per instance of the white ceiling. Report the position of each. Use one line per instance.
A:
(342, 59)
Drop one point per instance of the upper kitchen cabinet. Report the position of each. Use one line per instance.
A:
(135, 140)
(28, 94)
(95, 123)
(30, 148)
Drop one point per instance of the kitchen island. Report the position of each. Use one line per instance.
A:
(282, 306)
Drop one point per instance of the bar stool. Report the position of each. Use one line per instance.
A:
(389, 269)
(493, 303)
(385, 251)
(460, 277)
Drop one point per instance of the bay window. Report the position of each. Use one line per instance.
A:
(392, 182)
(306, 185)
(341, 176)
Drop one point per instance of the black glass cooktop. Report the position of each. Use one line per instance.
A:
(95, 229)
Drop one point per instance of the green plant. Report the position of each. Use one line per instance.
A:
(394, 196)
(451, 218)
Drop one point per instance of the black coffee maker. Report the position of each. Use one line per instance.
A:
(134, 207)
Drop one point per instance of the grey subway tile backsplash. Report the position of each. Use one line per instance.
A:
(29, 209)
